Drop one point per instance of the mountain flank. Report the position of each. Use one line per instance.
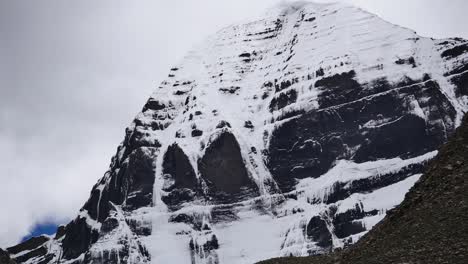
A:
(429, 226)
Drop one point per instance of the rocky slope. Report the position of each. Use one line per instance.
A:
(5, 257)
(429, 226)
(289, 135)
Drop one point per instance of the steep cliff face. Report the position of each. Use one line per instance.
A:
(429, 226)
(289, 135)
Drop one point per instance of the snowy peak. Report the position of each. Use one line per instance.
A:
(289, 135)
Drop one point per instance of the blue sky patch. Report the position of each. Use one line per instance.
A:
(40, 229)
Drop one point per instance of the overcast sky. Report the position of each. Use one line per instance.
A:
(73, 74)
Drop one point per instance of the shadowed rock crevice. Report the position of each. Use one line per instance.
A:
(78, 238)
(177, 167)
(5, 258)
(180, 180)
(318, 232)
(223, 170)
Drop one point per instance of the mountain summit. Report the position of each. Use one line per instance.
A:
(290, 135)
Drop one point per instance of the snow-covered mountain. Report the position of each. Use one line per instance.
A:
(289, 135)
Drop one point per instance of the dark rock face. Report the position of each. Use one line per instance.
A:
(342, 190)
(347, 223)
(140, 175)
(317, 230)
(176, 165)
(339, 89)
(283, 100)
(5, 257)
(223, 169)
(78, 238)
(461, 83)
(34, 247)
(29, 244)
(307, 146)
(455, 51)
(129, 185)
(60, 232)
(132, 184)
(196, 133)
(109, 224)
(153, 104)
(181, 183)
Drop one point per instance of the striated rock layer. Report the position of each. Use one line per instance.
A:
(429, 226)
(290, 135)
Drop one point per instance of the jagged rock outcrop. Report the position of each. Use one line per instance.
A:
(5, 258)
(290, 135)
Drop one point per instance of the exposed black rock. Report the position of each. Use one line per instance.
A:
(342, 190)
(231, 89)
(137, 179)
(347, 223)
(29, 244)
(409, 61)
(60, 232)
(179, 177)
(5, 257)
(78, 238)
(455, 51)
(338, 89)
(211, 244)
(317, 231)
(283, 99)
(400, 137)
(177, 167)
(109, 224)
(223, 169)
(248, 124)
(153, 105)
(197, 133)
(180, 92)
(282, 85)
(34, 247)
(179, 196)
(307, 146)
(223, 124)
(139, 228)
(461, 83)
(34, 253)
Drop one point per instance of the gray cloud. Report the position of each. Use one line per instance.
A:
(74, 73)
